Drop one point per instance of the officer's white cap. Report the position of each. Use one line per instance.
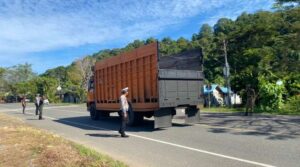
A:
(124, 90)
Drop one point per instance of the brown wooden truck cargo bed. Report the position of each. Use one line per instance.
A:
(156, 85)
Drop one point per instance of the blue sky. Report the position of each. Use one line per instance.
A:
(50, 33)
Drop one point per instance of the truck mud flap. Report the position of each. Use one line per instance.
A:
(192, 115)
(163, 118)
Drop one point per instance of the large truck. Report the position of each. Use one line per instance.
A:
(157, 85)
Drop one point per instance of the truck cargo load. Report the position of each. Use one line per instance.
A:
(157, 85)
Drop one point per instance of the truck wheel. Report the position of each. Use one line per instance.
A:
(134, 118)
(139, 118)
(148, 114)
(93, 112)
(103, 114)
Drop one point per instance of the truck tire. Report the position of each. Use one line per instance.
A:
(134, 118)
(148, 114)
(103, 114)
(93, 112)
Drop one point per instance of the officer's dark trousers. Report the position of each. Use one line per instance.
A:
(24, 106)
(41, 112)
(36, 109)
(123, 122)
(249, 106)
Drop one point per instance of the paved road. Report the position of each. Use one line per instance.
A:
(219, 140)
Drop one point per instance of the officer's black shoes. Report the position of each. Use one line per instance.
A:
(124, 135)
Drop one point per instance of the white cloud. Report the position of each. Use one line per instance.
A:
(32, 25)
(232, 9)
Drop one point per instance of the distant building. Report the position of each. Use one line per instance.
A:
(69, 97)
(217, 96)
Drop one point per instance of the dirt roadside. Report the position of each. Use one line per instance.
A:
(23, 145)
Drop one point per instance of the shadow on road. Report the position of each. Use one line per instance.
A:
(102, 135)
(110, 123)
(272, 127)
(33, 119)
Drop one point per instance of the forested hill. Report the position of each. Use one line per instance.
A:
(262, 48)
(261, 45)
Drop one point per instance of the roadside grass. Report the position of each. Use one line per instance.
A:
(280, 112)
(242, 109)
(22, 145)
(222, 109)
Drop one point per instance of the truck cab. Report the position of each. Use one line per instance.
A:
(90, 94)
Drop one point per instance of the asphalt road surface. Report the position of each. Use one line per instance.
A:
(219, 140)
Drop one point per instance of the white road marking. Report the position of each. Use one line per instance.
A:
(168, 143)
(82, 112)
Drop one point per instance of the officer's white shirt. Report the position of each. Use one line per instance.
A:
(46, 101)
(37, 100)
(124, 103)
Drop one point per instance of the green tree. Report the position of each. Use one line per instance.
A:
(150, 40)
(182, 44)
(205, 40)
(272, 93)
(47, 87)
(83, 66)
(2, 81)
(19, 73)
(3, 84)
(135, 44)
(59, 73)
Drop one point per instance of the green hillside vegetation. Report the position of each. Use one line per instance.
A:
(262, 48)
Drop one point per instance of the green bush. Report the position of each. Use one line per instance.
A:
(292, 106)
(270, 95)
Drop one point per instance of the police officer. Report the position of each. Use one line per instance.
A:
(123, 113)
(250, 100)
(40, 107)
(36, 103)
(44, 100)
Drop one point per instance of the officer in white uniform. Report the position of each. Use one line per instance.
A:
(123, 111)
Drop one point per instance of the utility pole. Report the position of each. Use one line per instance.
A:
(226, 71)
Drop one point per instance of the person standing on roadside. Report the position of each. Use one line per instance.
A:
(23, 102)
(36, 103)
(250, 100)
(44, 100)
(123, 113)
(40, 107)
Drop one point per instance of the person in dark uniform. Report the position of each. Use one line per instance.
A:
(36, 103)
(44, 100)
(250, 100)
(23, 102)
(40, 107)
(123, 113)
